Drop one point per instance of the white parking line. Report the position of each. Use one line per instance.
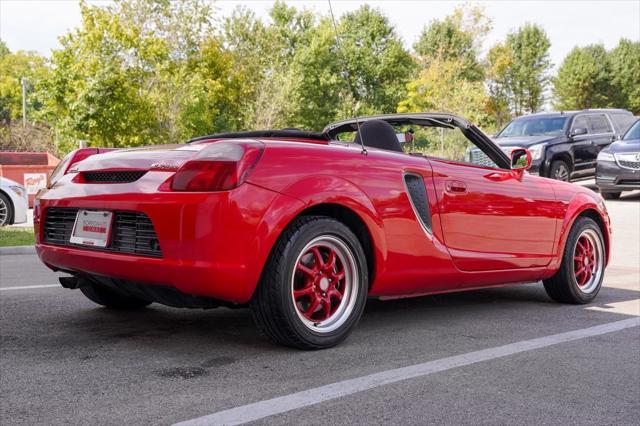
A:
(270, 407)
(27, 287)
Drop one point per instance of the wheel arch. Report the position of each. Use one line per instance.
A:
(583, 205)
(329, 196)
(563, 156)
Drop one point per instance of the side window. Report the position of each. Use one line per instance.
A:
(622, 122)
(448, 144)
(598, 124)
(580, 122)
(434, 141)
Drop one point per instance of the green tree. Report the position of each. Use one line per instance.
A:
(263, 55)
(584, 79)
(500, 60)
(4, 50)
(142, 71)
(457, 37)
(13, 68)
(320, 91)
(528, 75)
(440, 88)
(376, 63)
(625, 74)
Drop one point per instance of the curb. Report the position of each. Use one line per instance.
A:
(17, 250)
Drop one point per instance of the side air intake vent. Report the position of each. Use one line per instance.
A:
(419, 200)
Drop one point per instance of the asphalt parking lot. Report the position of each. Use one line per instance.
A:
(525, 359)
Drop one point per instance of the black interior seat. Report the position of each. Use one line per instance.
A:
(378, 134)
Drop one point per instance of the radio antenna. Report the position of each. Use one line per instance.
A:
(347, 76)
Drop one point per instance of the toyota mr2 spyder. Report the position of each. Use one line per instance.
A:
(303, 227)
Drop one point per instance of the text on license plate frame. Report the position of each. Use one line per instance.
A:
(92, 228)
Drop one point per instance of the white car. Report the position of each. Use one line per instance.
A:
(13, 202)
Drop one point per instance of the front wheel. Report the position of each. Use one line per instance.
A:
(6, 210)
(559, 171)
(579, 278)
(314, 286)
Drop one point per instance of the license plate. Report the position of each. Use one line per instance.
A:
(92, 228)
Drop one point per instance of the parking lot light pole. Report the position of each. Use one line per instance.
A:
(24, 101)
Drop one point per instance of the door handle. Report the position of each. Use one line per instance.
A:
(456, 187)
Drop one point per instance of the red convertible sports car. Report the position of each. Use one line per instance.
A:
(303, 227)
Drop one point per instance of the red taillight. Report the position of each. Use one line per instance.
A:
(60, 170)
(219, 167)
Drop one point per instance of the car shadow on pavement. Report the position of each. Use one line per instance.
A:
(179, 330)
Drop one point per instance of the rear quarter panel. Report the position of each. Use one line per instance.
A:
(407, 259)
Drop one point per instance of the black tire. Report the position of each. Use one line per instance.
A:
(560, 170)
(611, 195)
(6, 210)
(563, 287)
(273, 306)
(110, 298)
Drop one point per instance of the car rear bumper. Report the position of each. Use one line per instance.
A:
(211, 243)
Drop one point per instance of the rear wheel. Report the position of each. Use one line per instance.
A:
(6, 210)
(559, 171)
(579, 278)
(110, 298)
(611, 195)
(314, 286)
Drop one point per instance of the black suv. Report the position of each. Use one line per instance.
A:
(565, 145)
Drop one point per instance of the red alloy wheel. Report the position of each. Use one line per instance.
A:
(584, 260)
(323, 284)
(587, 261)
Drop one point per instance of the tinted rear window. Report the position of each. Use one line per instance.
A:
(598, 124)
(622, 122)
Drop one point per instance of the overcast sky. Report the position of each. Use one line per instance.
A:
(37, 24)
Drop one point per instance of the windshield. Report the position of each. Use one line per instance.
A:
(534, 127)
(633, 133)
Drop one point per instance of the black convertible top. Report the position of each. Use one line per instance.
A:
(284, 133)
(331, 131)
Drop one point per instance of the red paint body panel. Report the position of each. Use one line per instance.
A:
(488, 226)
(500, 220)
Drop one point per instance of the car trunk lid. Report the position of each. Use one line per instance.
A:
(141, 159)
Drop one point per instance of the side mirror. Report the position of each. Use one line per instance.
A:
(406, 137)
(579, 131)
(520, 159)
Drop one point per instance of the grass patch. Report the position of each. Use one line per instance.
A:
(16, 237)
